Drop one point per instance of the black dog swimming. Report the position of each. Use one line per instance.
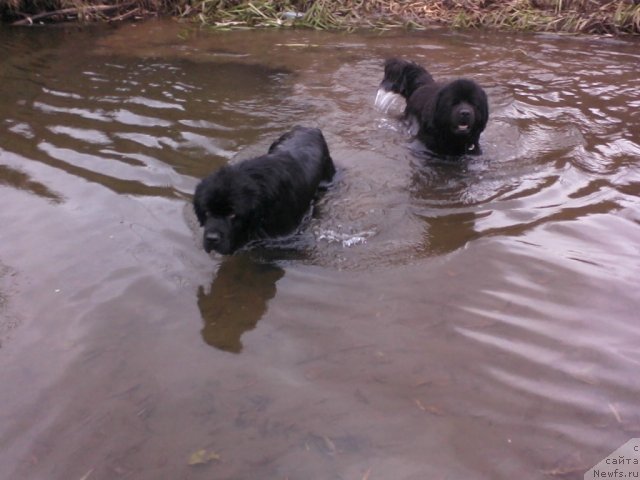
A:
(450, 116)
(266, 196)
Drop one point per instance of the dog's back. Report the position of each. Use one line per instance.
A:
(295, 167)
(310, 150)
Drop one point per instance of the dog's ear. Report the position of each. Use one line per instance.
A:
(200, 213)
(197, 204)
(440, 109)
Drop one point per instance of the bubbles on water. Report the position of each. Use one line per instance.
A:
(345, 239)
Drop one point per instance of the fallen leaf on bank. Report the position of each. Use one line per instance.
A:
(202, 457)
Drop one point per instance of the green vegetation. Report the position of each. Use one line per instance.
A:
(576, 16)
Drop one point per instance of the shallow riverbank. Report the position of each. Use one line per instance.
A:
(621, 17)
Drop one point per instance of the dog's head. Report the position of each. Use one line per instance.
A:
(461, 108)
(403, 77)
(222, 205)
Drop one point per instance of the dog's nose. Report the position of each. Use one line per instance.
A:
(213, 237)
(465, 114)
(212, 241)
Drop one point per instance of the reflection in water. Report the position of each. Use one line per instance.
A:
(22, 181)
(446, 233)
(438, 193)
(237, 300)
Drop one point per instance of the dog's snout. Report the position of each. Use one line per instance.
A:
(212, 241)
(465, 113)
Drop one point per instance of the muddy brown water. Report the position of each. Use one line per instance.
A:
(474, 320)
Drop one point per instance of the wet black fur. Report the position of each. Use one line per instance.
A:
(450, 115)
(266, 196)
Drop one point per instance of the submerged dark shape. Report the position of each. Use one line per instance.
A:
(450, 115)
(236, 301)
(266, 196)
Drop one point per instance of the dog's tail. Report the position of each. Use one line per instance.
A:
(404, 77)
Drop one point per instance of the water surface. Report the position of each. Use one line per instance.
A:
(475, 319)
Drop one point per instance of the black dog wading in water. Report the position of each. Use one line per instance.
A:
(450, 115)
(266, 196)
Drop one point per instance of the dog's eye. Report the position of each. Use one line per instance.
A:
(231, 216)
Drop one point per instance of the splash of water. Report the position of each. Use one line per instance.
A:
(346, 239)
(386, 99)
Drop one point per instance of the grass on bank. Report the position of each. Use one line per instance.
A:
(30, 12)
(575, 16)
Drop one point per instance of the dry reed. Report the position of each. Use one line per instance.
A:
(576, 16)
